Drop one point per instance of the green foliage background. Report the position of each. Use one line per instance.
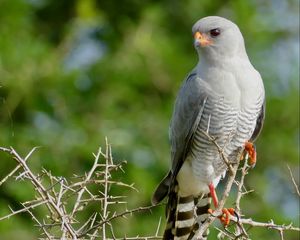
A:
(73, 72)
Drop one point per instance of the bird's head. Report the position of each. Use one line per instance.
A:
(217, 36)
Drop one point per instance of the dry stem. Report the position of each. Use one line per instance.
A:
(78, 195)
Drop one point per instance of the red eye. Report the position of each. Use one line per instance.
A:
(215, 32)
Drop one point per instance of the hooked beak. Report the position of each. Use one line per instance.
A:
(202, 39)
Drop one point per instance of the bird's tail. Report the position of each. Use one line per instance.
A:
(185, 215)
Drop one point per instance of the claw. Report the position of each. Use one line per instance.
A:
(210, 211)
(250, 149)
(225, 217)
(226, 212)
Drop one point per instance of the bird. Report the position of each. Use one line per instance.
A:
(223, 99)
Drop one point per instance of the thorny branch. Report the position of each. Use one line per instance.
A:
(119, 215)
(79, 194)
(66, 199)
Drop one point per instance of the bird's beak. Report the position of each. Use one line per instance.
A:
(202, 39)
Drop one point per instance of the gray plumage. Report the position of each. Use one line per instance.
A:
(224, 97)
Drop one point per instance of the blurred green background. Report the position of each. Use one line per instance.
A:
(75, 71)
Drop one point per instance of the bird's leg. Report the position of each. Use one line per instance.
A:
(250, 149)
(213, 194)
(226, 212)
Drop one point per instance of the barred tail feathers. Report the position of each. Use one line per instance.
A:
(184, 214)
(202, 206)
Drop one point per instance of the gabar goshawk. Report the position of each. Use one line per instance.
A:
(223, 97)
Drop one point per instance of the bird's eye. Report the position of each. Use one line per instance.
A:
(215, 32)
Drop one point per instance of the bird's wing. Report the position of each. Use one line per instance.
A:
(259, 122)
(187, 113)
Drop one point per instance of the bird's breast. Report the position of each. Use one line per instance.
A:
(224, 126)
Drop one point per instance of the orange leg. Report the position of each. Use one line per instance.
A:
(250, 149)
(213, 195)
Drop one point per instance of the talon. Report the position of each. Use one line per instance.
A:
(250, 149)
(232, 211)
(236, 215)
(226, 212)
(225, 217)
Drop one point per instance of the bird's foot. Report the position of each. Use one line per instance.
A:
(250, 149)
(226, 212)
(225, 216)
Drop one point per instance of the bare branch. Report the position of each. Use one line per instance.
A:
(83, 188)
(269, 225)
(294, 181)
(58, 195)
(17, 167)
(65, 199)
(25, 209)
(43, 193)
(127, 212)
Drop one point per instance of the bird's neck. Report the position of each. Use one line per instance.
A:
(222, 56)
(222, 61)
(212, 61)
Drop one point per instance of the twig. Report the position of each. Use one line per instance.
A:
(240, 185)
(158, 227)
(10, 174)
(221, 152)
(269, 225)
(240, 230)
(105, 202)
(294, 181)
(40, 225)
(218, 211)
(281, 234)
(127, 212)
(58, 195)
(83, 188)
(43, 193)
(18, 166)
(25, 209)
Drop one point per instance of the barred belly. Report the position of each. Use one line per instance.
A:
(230, 128)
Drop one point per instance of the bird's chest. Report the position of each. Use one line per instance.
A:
(232, 101)
(224, 126)
(237, 87)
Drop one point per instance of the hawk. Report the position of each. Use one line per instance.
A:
(223, 98)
